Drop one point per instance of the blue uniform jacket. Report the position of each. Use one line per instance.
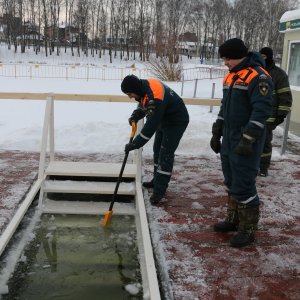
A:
(247, 101)
(162, 107)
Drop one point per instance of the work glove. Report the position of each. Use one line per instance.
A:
(217, 128)
(279, 120)
(136, 115)
(129, 147)
(217, 131)
(132, 119)
(244, 147)
(271, 126)
(215, 144)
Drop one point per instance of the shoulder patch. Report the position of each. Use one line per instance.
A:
(150, 107)
(263, 76)
(263, 88)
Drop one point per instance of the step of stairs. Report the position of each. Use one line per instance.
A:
(86, 208)
(88, 187)
(90, 169)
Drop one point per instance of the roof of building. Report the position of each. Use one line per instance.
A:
(290, 20)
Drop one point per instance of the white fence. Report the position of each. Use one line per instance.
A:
(204, 73)
(97, 73)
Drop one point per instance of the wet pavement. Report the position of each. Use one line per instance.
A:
(193, 261)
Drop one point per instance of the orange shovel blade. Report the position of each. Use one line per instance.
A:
(107, 217)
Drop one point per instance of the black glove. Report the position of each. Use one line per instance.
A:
(279, 120)
(136, 115)
(215, 144)
(129, 147)
(217, 128)
(131, 119)
(217, 131)
(244, 147)
(271, 126)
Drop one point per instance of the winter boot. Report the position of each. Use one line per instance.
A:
(232, 220)
(155, 198)
(148, 184)
(248, 220)
(263, 172)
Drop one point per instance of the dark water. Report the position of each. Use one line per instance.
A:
(73, 257)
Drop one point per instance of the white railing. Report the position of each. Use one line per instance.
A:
(204, 73)
(98, 73)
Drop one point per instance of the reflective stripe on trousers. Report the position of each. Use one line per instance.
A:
(165, 144)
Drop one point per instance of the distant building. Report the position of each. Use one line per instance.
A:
(187, 44)
(62, 32)
(31, 38)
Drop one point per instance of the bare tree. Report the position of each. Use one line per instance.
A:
(146, 26)
(81, 19)
(176, 21)
(159, 29)
(12, 22)
(196, 22)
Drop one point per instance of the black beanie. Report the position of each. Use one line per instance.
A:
(233, 49)
(268, 52)
(132, 84)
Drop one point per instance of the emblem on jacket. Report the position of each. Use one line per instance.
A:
(150, 108)
(263, 88)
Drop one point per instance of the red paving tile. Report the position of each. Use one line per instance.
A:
(202, 265)
(199, 262)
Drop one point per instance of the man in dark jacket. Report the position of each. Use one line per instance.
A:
(245, 107)
(281, 106)
(167, 117)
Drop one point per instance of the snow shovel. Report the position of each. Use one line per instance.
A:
(109, 213)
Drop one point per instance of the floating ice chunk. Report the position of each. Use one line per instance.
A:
(133, 289)
(3, 289)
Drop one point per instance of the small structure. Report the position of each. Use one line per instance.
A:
(63, 32)
(188, 44)
(290, 26)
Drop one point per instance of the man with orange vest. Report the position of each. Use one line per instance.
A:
(245, 107)
(167, 117)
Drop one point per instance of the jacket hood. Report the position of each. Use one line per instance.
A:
(253, 59)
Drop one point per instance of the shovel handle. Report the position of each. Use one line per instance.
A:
(133, 130)
(109, 213)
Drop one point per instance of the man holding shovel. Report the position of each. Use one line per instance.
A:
(167, 117)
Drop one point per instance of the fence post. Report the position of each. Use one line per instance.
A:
(87, 74)
(212, 95)
(285, 133)
(66, 73)
(182, 83)
(195, 89)
(51, 129)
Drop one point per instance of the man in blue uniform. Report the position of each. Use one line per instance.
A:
(281, 106)
(245, 107)
(167, 117)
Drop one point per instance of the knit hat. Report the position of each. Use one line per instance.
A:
(233, 49)
(132, 84)
(268, 52)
